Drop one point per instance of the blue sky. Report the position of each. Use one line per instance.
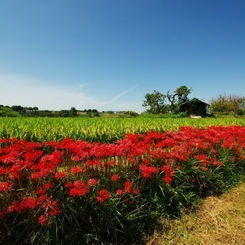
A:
(107, 54)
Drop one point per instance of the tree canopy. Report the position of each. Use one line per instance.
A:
(228, 104)
(155, 102)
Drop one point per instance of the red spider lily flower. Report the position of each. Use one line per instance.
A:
(8, 159)
(32, 156)
(103, 195)
(147, 171)
(120, 192)
(167, 170)
(68, 184)
(14, 206)
(78, 188)
(43, 198)
(36, 175)
(48, 162)
(29, 203)
(94, 162)
(48, 186)
(115, 177)
(2, 214)
(15, 175)
(203, 158)
(242, 157)
(77, 169)
(2, 171)
(54, 211)
(28, 164)
(216, 162)
(4, 140)
(214, 151)
(60, 175)
(136, 192)
(5, 186)
(43, 220)
(111, 163)
(56, 157)
(128, 187)
(76, 158)
(167, 179)
(79, 184)
(78, 191)
(146, 161)
(40, 191)
(52, 207)
(93, 181)
(41, 174)
(17, 166)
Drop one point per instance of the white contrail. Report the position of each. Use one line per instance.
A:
(123, 93)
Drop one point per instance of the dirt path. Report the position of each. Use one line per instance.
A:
(219, 221)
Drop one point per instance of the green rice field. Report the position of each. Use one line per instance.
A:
(98, 129)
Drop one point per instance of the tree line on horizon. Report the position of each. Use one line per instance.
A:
(170, 103)
(17, 110)
(154, 103)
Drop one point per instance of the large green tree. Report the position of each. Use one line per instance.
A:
(73, 112)
(179, 96)
(155, 102)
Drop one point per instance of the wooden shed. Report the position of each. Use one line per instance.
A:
(195, 107)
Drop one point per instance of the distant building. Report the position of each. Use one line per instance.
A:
(195, 107)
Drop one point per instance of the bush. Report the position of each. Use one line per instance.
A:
(240, 112)
(8, 112)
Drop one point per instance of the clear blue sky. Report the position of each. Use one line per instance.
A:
(107, 54)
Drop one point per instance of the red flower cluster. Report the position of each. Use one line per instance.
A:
(79, 169)
(169, 172)
(5, 186)
(148, 171)
(78, 188)
(103, 195)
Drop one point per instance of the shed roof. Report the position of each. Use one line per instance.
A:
(200, 101)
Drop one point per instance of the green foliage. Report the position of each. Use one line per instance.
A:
(73, 112)
(227, 104)
(182, 93)
(155, 102)
(240, 112)
(180, 96)
(99, 129)
(131, 113)
(8, 112)
(194, 101)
